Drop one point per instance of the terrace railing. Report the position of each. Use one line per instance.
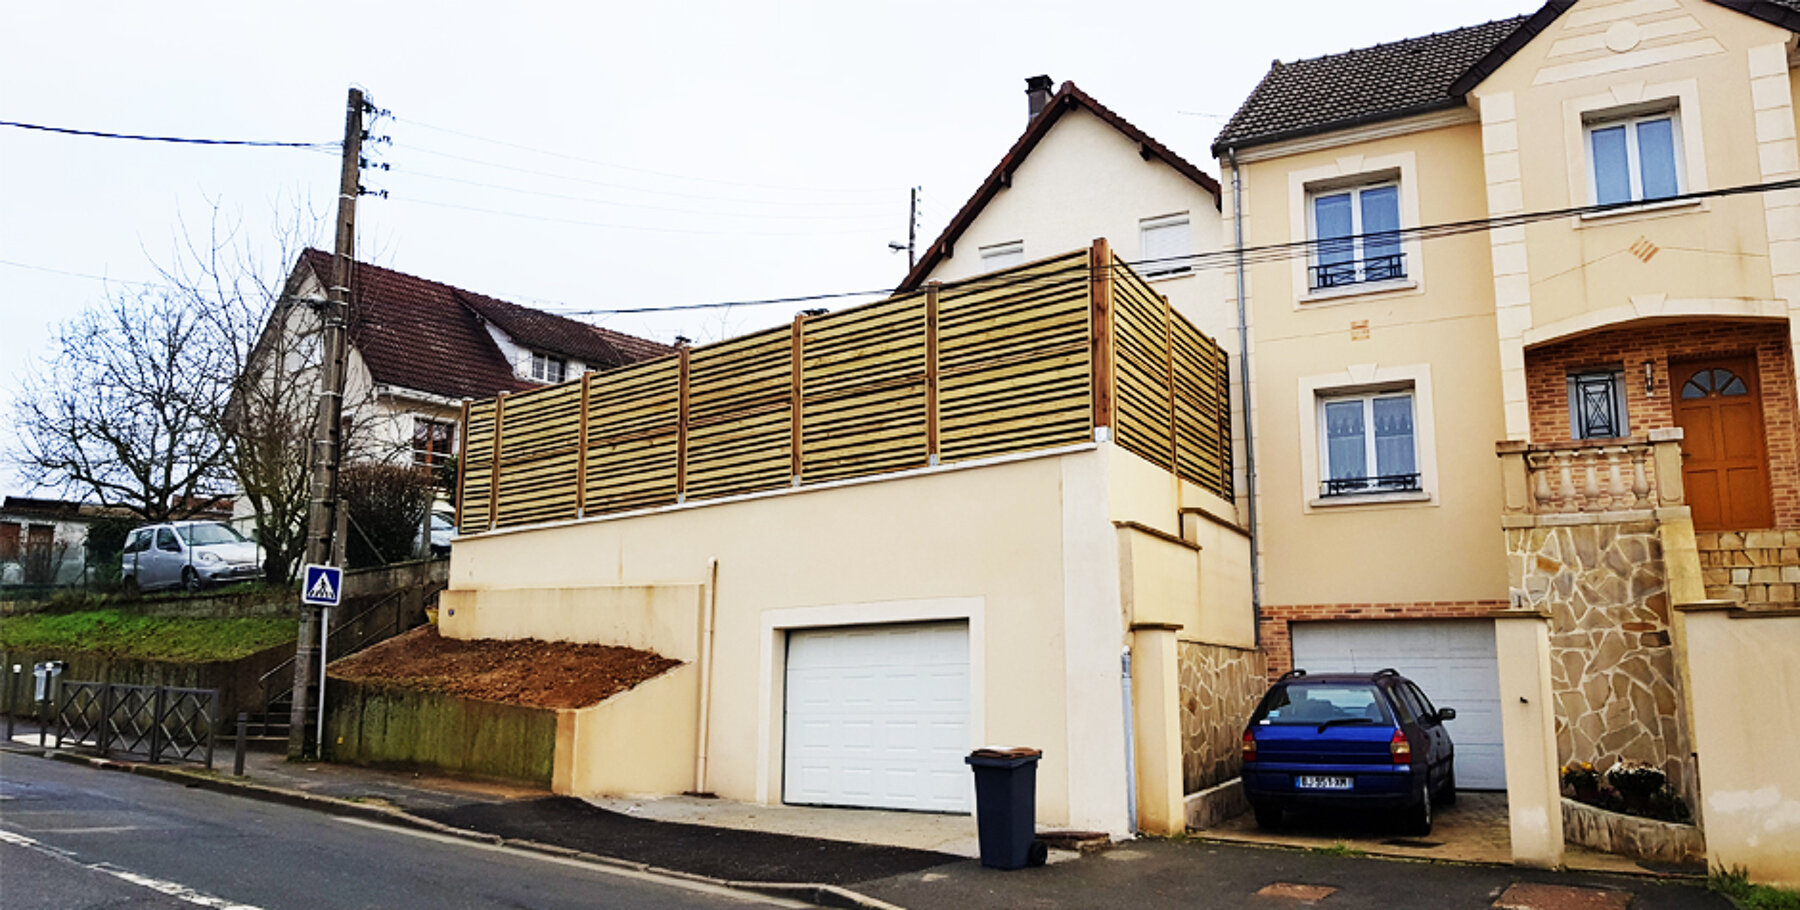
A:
(1036, 357)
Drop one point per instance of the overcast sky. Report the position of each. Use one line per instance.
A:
(581, 156)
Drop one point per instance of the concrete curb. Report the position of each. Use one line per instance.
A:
(1639, 873)
(822, 895)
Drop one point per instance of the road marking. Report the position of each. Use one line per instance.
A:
(172, 889)
(602, 868)
(114, 829)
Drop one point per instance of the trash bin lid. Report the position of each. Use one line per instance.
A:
(1006, 752)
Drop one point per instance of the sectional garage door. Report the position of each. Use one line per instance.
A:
(1452, 660)
(878, 716)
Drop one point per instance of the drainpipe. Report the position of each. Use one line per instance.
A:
(707, 612)
(1243, 333)
(1130, 743)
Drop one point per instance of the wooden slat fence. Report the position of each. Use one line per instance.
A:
(995, 365)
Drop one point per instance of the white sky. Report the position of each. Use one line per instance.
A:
(721, 150)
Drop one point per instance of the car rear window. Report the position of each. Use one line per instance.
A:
(1316, 703)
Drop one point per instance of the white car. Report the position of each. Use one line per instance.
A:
(187, 554)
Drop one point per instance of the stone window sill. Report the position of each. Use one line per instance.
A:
(1359, 289)
(1369, 499)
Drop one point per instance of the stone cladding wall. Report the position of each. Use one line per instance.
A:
(1613, 667)
(1759, 569)
(1220, 686)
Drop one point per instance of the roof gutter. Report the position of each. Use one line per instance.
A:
(1243, 336)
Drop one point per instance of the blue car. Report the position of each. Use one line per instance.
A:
(1348, 741)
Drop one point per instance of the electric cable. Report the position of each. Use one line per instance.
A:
(99, 134)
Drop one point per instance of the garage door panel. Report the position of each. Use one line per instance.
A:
(878, 716)
(1454, 661)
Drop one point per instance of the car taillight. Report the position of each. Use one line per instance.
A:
(1400, 748)
(1249, 746)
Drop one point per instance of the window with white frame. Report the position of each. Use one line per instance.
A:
(1165, 246)
(548, 367)
(1367, 444)
(1635, 158)
(1003, 255)
(1356, 235)
(1597, 405)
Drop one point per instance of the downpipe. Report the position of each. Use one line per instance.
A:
(704, 736)
(1243, 333)
(1131, 796)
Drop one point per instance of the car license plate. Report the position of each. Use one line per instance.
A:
(1317, 782)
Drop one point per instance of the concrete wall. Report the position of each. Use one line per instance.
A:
(638, 742)
(1023, 550)
(1744, 668)
(236, 680)
(377, 725)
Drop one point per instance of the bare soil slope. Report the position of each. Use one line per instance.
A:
(538, 674)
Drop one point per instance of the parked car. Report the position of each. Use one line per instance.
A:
(1348, 741)
(443, 530)
(187, 554)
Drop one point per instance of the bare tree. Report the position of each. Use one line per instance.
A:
(122, 412)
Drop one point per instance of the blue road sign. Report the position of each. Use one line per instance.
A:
(324, 586)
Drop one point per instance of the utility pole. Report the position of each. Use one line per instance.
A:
(321, 544)
(912, 233)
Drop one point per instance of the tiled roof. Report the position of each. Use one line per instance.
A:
(1068, 98)
(427, 336)
(1407, 77)
(1374, 83)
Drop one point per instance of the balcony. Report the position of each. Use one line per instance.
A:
(1346, 272)
(1587, 481)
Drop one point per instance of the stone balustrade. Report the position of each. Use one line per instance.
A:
(1588, 480)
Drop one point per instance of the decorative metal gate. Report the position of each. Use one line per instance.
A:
(160, 723)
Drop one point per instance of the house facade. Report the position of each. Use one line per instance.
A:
(1562, 239)
(42, 541)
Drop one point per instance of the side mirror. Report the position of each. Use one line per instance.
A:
(1446, 714)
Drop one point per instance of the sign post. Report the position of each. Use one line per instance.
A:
(323, 587)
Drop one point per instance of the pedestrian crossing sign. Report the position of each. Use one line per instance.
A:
(323, 587)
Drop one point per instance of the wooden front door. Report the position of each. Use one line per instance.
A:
(1725, 463)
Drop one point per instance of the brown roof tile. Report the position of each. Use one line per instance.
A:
(428, 336)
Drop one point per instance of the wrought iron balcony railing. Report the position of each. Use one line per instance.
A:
(1385, 483)
(1391, 267)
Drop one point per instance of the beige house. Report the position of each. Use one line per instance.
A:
(1568, 234)
(992, 511)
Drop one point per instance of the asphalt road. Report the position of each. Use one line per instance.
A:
(73, 837)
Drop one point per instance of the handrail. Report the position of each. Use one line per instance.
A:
(286, 666)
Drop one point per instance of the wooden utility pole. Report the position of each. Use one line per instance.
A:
(321, 543)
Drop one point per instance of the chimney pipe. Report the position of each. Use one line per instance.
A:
(1038, 90)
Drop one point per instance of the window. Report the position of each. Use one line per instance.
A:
(1634, 158)
(165, 540)
(1597, 405)
(1357, 236)
(548, 367)
(1163, 245)
(1368, 444)
(433, 441)
(1003, 255)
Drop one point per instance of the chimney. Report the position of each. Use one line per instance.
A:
(1038, 90)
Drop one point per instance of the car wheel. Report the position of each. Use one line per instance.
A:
(190, 579)
(131, 588)
(1447, 793)
(1416, 819)
(1268, 816)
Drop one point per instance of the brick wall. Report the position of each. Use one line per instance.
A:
(1278, 644)
(1547, 369)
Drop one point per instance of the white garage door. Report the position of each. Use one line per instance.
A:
(878, 716)
(1452, 660)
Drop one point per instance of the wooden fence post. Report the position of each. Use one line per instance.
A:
(1100, 360)
(462, 461)
(494, 466)
(931, 373)
(681, 429)
(797, 360)
(581, 451)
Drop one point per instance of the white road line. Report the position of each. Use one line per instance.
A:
(172, 889)
(602, 868)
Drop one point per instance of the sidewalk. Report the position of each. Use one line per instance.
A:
(743, 851)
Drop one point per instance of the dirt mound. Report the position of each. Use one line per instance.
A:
(538, 674)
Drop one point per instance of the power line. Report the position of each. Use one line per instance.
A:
(257, 143)
(625, 186)
(629, 205)
(625, 227)
(636, 170)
